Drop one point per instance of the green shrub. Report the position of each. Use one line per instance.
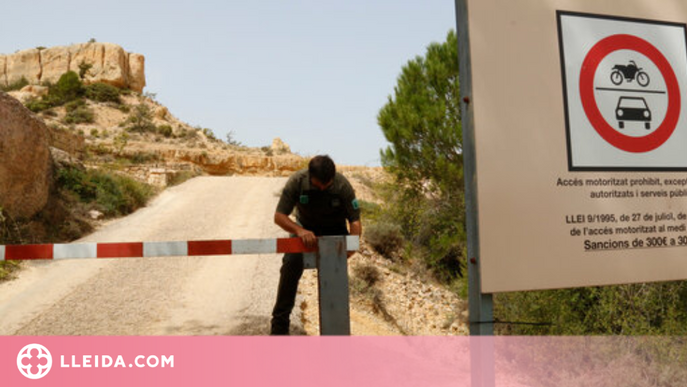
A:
(384, 237)
(151, 96)
(16, 85)
(367, 273)
(636, 309)
(78, 112)
(102, 92)
(180, 177)
(140, 120)
(83, 69)
(369, 210)
(74, 105)
(6, 269)
(67, 88)
(38, 105)
(143, 157)
(77, 181)
(133, 194)
(432, 223)
(98, 149)
(120, 141)
(112, 194)
(231, 140)
(208, 133)
(165, 130)
(188, 134)
(362, 284)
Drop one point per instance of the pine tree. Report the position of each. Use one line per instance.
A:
(421, 121)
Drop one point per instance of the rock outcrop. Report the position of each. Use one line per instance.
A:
(108, 62)
(238, 164)
(25, 170)
(220, 163)
(279, 147)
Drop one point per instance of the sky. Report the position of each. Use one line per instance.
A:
(313, 73)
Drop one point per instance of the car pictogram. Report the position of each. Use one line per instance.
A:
(633, 109)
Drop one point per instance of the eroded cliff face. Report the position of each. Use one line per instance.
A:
(218, 162)
(108, 62)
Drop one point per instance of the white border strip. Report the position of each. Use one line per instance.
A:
(352, 243)
(254, 246)
(2, 253)
(77, 250)
(165, 249)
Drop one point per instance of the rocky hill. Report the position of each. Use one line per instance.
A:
(138, 136)
(89, 111)
(161, 146)
(97, 62)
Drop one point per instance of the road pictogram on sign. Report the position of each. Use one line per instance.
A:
(623, 82)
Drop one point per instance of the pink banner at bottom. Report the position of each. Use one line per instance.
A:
(343, 361)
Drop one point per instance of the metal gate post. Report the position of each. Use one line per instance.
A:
(332, 277)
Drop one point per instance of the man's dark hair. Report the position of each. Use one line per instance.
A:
(322, 168)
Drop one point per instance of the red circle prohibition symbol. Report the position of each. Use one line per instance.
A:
(607, 132)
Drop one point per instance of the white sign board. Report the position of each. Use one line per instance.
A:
(580, 133)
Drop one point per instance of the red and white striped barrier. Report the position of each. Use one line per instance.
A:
(161, 249)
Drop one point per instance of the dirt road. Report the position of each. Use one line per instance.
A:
(225, 295)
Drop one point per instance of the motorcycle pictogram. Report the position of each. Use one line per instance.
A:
(629, 73)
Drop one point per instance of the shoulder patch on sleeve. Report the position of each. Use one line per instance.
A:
(355, 203)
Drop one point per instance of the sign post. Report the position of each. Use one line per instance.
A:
(480, 304)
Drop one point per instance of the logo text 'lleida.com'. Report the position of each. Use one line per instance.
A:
(106, 361)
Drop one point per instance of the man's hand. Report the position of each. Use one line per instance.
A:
(308, 237)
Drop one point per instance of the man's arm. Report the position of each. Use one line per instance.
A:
(288, 225)
(356, 228)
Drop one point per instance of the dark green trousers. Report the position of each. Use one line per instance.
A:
(291, 272)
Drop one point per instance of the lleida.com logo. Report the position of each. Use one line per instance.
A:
(34, 361)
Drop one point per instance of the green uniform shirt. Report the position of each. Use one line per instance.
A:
(322, 212)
